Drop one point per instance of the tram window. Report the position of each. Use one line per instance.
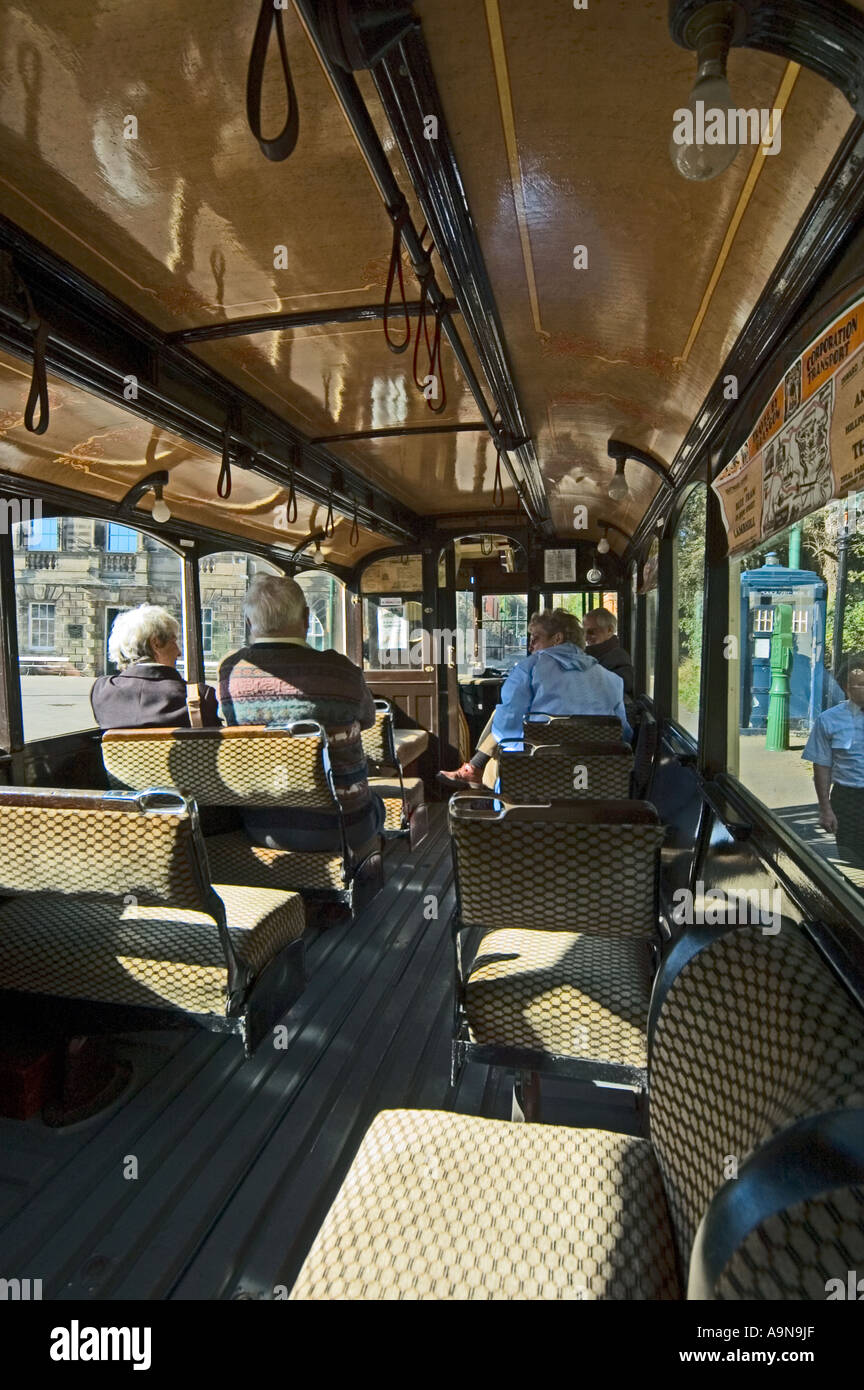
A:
(649, 589)
(794, 584)
(224, 579)
(689, 589)
(470, 651)
(390, 622)
(70, 584)
(505, 628)
(326, 599)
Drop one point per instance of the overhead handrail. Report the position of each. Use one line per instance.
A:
(281, 145)
(400, 217)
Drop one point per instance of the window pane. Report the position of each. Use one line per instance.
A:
(67, 601)
(788, 595)
(326, 599)
(121, 538)
(689, 589)
(43, 533)
(650, 641)
(505, 628)
(224, 579)
(390, 625)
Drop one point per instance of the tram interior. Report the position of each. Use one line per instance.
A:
(411, 305)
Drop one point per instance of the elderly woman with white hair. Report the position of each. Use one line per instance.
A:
(148, 690)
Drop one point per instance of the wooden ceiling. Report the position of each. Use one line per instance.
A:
(560, 120)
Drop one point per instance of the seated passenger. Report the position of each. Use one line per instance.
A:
(601, 641)
(836, 750)
(279, 678)
(557, 678)
(148, 690)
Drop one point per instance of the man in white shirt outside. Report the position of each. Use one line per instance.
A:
(836, 750)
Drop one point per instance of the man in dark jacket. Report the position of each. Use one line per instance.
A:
(601, 642)
(149, 691)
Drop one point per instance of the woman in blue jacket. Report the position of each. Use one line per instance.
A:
(557, 678)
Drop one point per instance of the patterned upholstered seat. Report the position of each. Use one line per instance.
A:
(248, 765)
(563, 993)
(405, 812)
(572, 728)
(444, 1206)
(567, 897)
(441, 1206)
(555, 772)
(109, 902)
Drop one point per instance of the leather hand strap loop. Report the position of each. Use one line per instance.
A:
(354, 537)
(223, 486)
(281, 145)
(396, 269)
(498, 486)
(39, 382)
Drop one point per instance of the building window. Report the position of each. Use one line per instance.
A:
(121, 539)
(43, 533)
(207, 630)
(799, 620)
(41, 635)
(763, 620)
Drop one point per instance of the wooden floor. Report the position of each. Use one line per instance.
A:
(237, 1161)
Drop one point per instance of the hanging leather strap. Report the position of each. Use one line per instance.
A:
(39, 381)
(498, 486)
(282, 144)
(399, 220)
(223, 484)
(194, 700)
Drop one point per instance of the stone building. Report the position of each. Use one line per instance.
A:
(74, 575)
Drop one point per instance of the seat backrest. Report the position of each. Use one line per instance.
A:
(243, 765)
(552, 772)
(378, 744)
(103, 845)
(588, 866)
(754, 1034)
(571, 728)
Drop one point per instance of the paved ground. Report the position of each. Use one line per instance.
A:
(56, 705)
(784, 781)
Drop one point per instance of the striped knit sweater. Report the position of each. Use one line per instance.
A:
(274, 683)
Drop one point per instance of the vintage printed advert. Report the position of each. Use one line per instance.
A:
(808, 443)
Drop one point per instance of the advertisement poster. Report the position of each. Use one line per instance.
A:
(807, 445)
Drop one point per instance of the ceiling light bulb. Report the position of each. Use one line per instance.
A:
(161, 511)
(618, 488)
(603, 546)
(703, 140)
(594, 576)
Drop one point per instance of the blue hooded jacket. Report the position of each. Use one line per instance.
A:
(558, 680)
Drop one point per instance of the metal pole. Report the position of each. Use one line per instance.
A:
(840, 599)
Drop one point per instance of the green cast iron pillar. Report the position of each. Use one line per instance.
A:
(782, 655)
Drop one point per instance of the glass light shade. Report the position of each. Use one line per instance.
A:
(618, 488)
(603, 547)
(699, 147)
(161, 511)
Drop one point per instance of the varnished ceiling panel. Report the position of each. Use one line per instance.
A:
(184, 221)
(99, 449)
(608, 350)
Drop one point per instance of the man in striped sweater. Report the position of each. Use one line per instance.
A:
(279, 678)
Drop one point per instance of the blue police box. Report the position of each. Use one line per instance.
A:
(761, 592)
